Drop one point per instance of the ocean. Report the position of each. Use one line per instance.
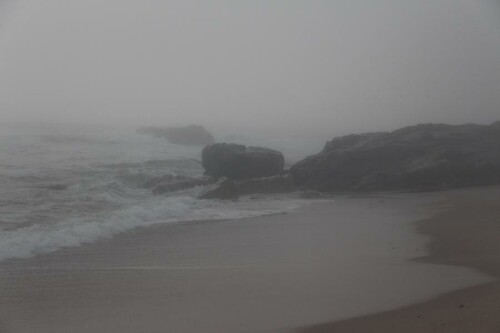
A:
(63, 186)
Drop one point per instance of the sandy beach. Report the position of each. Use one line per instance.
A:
(465, 234)
(324, 262)
(249, 166)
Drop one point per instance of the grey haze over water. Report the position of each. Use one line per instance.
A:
(328, 66)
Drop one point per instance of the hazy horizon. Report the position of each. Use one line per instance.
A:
(320, 66)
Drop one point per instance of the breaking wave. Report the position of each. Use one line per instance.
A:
(63, 188)
(43, 238)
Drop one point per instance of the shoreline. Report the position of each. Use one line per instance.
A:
(465, 235)
(270, 273)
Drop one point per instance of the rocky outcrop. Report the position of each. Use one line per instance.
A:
(190, 135)
(275, 184)
(422, 157)
(224, 188)
(240, 162)
(167, 184)
(496, 124)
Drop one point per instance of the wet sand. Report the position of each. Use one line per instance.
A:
(323, 262)
(465, 234)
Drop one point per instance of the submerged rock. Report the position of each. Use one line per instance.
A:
(422, 157)
(169, 184)
(162, 179)
(240, 162)
(190, 135)
(224, 188)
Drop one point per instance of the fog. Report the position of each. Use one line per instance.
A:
(326, 66)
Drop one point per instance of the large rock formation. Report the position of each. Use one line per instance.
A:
(422, 157)
(240, 162)
(190, 135)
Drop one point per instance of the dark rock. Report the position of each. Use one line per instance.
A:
(190, 135)
(274, 184)
(224, 188)
(162, 179)
(179, 183)
(240, 162)
(422, 157)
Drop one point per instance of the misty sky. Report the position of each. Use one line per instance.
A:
(339, 65)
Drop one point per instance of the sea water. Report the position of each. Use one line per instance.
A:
(65, 185)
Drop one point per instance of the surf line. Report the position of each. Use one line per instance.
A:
(184, 268)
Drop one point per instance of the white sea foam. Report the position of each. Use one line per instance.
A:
(39, 239)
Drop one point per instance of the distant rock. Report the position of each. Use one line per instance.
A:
(156, 132)
(240, 162)
(224, 188)
(167, 184)
(274, 184)
(190, 135)
(422, 157)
